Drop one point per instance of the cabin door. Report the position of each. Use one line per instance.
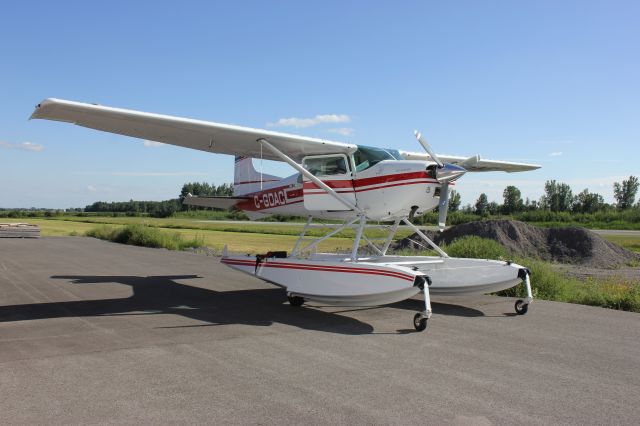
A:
(334, 170)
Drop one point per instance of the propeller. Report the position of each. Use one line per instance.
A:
(445, 173)
(427, 148)
(444, 206)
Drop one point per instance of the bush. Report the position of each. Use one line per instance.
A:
(475, 247)
(547, 283)
(143, 235)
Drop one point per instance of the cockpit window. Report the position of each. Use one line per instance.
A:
(326, 165)
(367, 156)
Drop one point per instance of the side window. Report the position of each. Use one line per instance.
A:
(326, 166)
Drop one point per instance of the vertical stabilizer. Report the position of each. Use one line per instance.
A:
(246, 179)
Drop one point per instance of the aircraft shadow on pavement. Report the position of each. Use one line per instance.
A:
(163, 295)
(439, 308)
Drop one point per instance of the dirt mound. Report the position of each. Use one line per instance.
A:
(566, 245)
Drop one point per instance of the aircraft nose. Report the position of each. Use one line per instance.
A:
(449, 172)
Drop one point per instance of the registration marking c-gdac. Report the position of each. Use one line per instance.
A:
(269, 199)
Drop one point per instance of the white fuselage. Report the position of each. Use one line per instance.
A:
(388, 190)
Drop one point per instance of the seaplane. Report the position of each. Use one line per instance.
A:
(350, 184)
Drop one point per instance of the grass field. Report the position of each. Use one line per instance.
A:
(256, 238)
(630, 242)
(247, 237)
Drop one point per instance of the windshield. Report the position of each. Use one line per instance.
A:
(368, 156)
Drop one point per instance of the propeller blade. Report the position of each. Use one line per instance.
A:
(427, 148)
(444, 206)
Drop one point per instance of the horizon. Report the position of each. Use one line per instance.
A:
(546, 83)
(463, 203)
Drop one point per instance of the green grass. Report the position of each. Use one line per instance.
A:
(547, 283)
(470, 246)
(609, 219)
(253, 238)
(630, 242)
(476, 247)
(146, 236)
(245, 227)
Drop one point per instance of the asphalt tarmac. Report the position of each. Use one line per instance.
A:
(95, 332)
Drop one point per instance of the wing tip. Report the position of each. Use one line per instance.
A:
(38, 111)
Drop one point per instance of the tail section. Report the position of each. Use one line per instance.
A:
(247, 179)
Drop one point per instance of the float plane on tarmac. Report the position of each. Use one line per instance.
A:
(347, 182)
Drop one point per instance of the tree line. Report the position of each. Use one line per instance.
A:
(161, 208)
(558, 197)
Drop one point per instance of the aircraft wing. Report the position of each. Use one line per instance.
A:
(213, 202)
(196, 134)
(474, 164)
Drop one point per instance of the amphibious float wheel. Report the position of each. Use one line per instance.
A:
(295, 300)
(521, 307)
(420, 322)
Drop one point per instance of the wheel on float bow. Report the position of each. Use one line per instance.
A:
(521, 307)
(420, 322)
(295, 300)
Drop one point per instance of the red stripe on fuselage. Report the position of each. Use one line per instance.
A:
(369, 181)
(291, 193)
(320, 192)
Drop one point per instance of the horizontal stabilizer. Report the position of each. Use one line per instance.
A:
(213, 202)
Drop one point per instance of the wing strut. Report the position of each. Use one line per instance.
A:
(311, 177)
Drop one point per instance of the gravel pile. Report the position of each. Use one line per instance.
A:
(572, 244)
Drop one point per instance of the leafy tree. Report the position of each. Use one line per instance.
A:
(587, 202)
(558, 196)
(454, 201)
(531, 205)
(493, 208)
(625, 193)
(204, 189)
(512, 200)
(482, 205)
(224, 190)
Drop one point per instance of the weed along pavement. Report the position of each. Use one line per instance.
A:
(96, 332)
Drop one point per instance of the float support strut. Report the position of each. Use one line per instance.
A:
(356, 242)
(294, 252)
(527, 284)
(427, 301)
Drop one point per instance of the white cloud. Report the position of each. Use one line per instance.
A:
(308, 122)
(555, 154)
(24, 146)
(344, 131)
(91, 188)
(152, 144)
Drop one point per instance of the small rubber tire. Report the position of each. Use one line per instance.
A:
(295, 301)
(521, 307)
(420, 322)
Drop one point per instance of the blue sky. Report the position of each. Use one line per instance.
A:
(548, 82)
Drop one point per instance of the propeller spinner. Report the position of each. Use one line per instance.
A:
(444, 173)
